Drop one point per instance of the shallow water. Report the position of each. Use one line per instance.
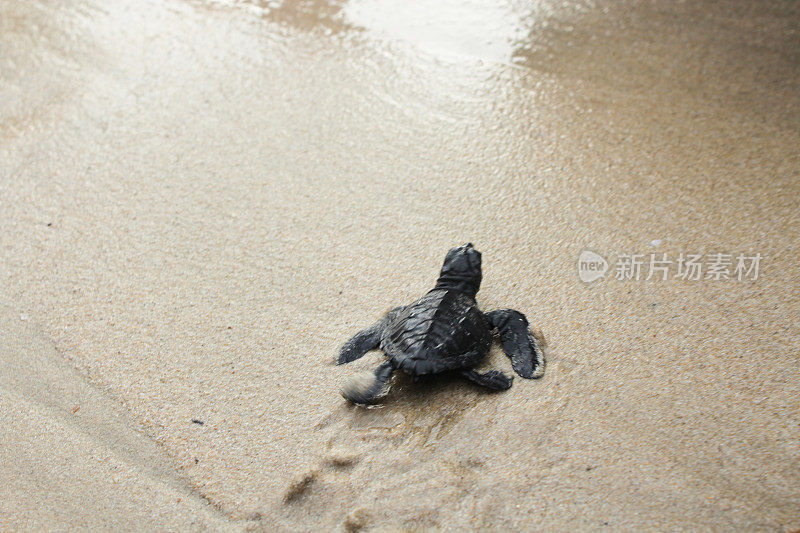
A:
(202, 200)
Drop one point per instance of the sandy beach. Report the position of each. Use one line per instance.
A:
(201, 200)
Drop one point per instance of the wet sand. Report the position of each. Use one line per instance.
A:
(202, 200)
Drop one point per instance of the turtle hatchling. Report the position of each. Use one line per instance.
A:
(443, 332)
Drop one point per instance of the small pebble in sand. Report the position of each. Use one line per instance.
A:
(196, 421)
(356, 520)
(299, 486)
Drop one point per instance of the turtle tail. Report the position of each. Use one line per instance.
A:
(369, 387)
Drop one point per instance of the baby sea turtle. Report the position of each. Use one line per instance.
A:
(444, 331)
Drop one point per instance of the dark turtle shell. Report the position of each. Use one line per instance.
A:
(444, 330)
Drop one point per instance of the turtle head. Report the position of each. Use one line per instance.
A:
(461, 270)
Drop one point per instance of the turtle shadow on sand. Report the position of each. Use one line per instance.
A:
(424, 411)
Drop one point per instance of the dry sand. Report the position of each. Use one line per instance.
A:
(202, 200)
(71, 458)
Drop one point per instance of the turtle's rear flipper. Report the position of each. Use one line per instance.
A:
(518, 342)
(369, 387)
(366, 340)
(493, 379)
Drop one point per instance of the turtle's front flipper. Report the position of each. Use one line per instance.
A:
(370, 387)
(366, 340)
(493, 379)
(518, 343)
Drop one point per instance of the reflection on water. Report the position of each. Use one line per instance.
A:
(306, 15)
(443, 54)
(447, 30)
